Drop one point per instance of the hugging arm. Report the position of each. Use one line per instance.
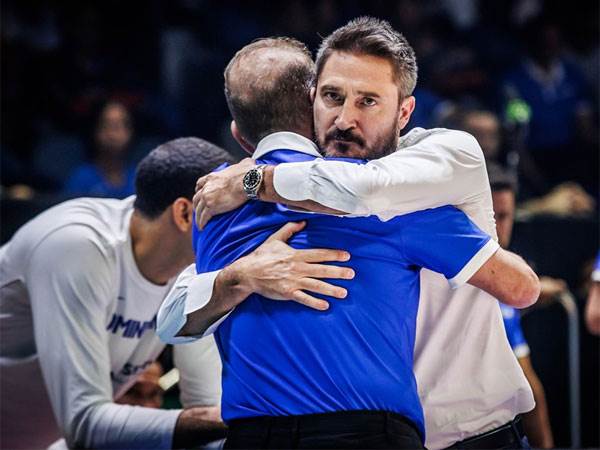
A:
(197, 304)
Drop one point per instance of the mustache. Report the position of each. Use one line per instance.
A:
(343, 135)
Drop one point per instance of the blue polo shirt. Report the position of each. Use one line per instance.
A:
(512, 325)
(282, 358)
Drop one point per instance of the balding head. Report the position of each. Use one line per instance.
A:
(267, 87)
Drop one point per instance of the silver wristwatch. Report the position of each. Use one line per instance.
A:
(252, 181)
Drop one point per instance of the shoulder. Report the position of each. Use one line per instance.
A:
(81, 224)
(444, 139)
(75, 246)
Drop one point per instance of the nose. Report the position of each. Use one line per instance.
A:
(347, 117)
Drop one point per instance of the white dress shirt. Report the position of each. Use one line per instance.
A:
(468, 378)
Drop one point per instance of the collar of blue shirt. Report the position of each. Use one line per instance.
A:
(285, 140)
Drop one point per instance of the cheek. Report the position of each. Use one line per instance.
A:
(323, 119)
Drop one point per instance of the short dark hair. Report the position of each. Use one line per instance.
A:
(370, 36)
(501, 179)
(277, 99)
(170, 171)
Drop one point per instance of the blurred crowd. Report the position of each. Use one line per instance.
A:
(89, 88)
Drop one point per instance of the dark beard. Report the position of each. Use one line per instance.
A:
(384, 146)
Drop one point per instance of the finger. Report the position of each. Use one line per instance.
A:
(326, 271)
(199, 208)
(205, 216)
(323, 288)
(286, 231)
(200, 183)
(196, 199)
(309, 300)
(321, 255)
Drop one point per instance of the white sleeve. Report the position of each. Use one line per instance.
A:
(190, 293)
(70, 278)
(199, 367)
(441, 169)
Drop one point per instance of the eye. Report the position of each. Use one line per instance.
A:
(332, 96)
(368, 101)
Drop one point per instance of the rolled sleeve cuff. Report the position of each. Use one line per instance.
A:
(474, 264)
(596, 275)
(200, 292)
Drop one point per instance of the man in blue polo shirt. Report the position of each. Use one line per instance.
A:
(287, 360)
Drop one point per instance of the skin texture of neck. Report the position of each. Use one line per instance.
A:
(156, 248)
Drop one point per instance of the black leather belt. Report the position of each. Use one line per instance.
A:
(506, 436)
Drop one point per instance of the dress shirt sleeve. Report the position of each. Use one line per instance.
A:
(71, 303)
(199, 367)
(445, 240)
(190, 293)
(443, 168)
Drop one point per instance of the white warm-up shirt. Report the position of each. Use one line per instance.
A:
(77, 325)
(468, 378)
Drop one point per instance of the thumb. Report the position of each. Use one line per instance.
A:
(286, 231)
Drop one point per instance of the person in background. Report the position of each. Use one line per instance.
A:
(80, 287)
(536, 422)
(556, 92)
(107, 174)
(485, 127)
(146, 391)
(592, 307)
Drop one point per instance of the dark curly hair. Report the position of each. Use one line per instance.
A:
(170, 171)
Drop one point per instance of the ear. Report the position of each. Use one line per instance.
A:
(313, 92)
(235, 132)
(406, 109)
(182, 212)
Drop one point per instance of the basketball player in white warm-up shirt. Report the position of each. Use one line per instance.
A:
(80, 286)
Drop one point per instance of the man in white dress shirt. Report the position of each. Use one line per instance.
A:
(80, 286)
(469, 381)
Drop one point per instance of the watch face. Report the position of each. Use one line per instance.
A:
(252, 179)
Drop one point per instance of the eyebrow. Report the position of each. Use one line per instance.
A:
(329, 87)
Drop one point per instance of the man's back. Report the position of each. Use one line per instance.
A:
(358, 354)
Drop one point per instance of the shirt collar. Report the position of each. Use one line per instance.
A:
(285, 140)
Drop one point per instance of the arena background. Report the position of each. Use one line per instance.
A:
(164, 62)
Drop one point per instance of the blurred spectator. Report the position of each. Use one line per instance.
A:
(107, 174)
(556, 93)
(565, 200)
(146, 391)
(536, 422)
(592, 307)
(485, 127)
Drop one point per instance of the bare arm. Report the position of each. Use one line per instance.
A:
(592, 309)
(536, 422)
(274, 270)
(508, 278)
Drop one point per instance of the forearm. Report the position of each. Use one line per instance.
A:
(267, 193)
(438, 172)
(507, 277)
(109, 425)
(536, 422)
(197, 426)
(229, 290)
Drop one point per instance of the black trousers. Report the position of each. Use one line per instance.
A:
(345, 429)
(508, 436)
